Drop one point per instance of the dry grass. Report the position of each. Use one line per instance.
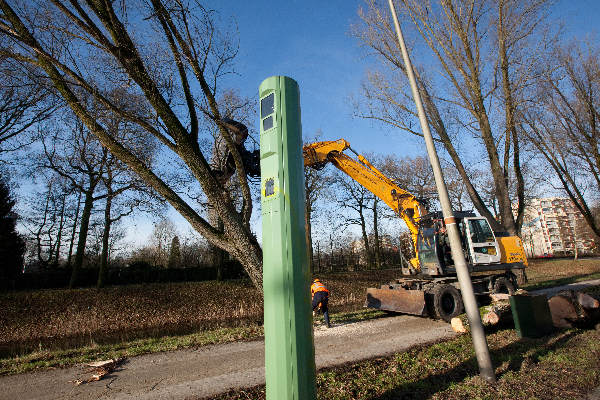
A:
(62, 319)
(50, 319)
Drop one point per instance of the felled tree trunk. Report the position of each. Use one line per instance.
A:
(570, 308)
(496, 313)
(491, 315)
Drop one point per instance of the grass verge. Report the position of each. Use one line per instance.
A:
(561, 281)
(48, 358)
(560, 366)
(562, 271)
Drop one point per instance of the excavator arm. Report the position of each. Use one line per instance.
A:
(404, 204)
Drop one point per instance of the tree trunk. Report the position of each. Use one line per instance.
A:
(575, 250)
(501, 189)
(318, 257)
(83, 232)
(74, 230)
(511, 128)
(105, 242)
(61, 225)
(38, 235)
(217, 255)
(308, 233)
(363, 228)
(376, 246)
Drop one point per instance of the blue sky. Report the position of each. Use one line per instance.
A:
(310, 42)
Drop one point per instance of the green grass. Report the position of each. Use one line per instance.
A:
(561, 281)
(50, 358)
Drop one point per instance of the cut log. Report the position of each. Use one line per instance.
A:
(459, 325)
(99, 364)
(587, 301)
(99, 370)
(498, 297)
(565, 309)
(490, 318)
(498, 313)
(491, 315)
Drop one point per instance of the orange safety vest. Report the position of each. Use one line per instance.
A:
(317, 287)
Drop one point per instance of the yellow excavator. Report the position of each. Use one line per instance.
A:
(429, 285)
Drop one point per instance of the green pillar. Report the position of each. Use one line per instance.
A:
(289, 346)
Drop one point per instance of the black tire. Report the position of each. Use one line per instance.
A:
(504, 285)
(446, 302)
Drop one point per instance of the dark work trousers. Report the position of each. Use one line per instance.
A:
(323, 298)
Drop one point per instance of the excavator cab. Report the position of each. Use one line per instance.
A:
(477, 238)
(483, 246)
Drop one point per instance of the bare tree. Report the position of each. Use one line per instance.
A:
(479, 45)
(564, 128)
(353, 196)
(46, 221)
(77, 157)
(162, 234)
(316, 184)
(175, 253)
(97, 46)
(125, 192)
(23, 102)
(413, 174)
(124, 195)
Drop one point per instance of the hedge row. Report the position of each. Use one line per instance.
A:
(133, 274)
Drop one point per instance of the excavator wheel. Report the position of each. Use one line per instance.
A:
(445, 302)
(504, 285)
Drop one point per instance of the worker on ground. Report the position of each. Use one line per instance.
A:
(320, 297)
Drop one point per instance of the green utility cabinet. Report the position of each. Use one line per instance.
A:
(531, 315)
(289, 344)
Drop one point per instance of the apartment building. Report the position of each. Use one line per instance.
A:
(554, 226)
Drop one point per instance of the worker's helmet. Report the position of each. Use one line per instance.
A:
(317, 280)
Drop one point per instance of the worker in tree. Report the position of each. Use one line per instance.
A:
(320, 297)
(223, 163)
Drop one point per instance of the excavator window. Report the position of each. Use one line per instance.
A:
(480, 231)
(427, 250)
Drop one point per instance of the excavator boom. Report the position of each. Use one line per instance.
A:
(404, 204)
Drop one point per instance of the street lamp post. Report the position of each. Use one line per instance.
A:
(466, 286)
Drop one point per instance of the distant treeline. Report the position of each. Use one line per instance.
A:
(137, 272)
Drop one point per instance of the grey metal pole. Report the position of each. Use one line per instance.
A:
(480, 344)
